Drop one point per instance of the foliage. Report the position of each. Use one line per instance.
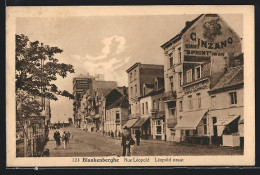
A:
(37, 68)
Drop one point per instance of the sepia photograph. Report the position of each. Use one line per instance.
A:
(130, 86)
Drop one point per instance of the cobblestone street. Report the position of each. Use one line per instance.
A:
(84, 143)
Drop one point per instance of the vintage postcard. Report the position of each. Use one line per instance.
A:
(130, 86)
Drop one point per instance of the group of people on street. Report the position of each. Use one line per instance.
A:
(65, 139)
(127, 140)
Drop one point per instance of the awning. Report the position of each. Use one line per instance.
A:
(130, 123)
(226, 120)
(140, 122)
(190, 120)
(221, 124)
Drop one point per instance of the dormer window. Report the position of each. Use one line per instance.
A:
(144, 90)
(197, 72)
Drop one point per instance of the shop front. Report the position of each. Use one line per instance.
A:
(193, 127)
(144, 125)
(227, 127)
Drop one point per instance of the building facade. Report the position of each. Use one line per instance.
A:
(195, 60)
(138, 75)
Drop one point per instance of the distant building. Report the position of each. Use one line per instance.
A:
(152, 120)
(80, 85)
(117, 115)
(138, 75)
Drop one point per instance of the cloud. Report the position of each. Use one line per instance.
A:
(109, 62)
(106, 50)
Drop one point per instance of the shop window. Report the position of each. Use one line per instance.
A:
(171, 83)
(189, 75)
(158, 127)
(205, 125)
(233, 97)
(171, 62)
(197, 72)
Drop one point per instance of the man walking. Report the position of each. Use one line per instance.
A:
(127, 141)
(57, 139)
(137, 136)
(65, 139)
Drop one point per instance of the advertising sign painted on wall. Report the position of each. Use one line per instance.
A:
(210, 36)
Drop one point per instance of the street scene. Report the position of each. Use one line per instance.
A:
(106, 86)
(83, 144)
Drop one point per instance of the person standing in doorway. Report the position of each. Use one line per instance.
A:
(127, 141)
(137, 136)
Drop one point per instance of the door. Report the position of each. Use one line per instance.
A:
(215, 138)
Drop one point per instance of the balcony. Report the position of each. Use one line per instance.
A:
(118, 120)
(169, 96)
(171, 122)
(154, 111)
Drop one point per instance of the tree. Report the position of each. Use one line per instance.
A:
(70, 120)
(37, 68)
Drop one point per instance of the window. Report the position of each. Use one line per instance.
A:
(156, 86)
(171, 83)
(190, 102)
(146, 107)
(159, 104)
(117, 115)
(171, 62)
(197, 72)
(134, 74)
(233, 97)
(131, 76)
(179, 54)
(131, 91)
(213, 102)
(199, 101)
(189, 75)
(144, 90)
(154, 104)
(205, 125)
(158, 127)
(187, 132)
(171, 111)
(143, 108)
(180, 105)
(180, 79)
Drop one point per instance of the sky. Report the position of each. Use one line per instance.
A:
(106, 45)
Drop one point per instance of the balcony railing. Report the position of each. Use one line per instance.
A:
(169, 96)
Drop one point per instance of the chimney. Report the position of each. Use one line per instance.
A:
(124, 90)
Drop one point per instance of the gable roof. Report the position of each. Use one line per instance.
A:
(179, 35)
(233, 77)
(121, 102)
(112, 96)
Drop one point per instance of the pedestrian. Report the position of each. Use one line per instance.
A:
(65, 139)
(137, 136)
(68, 136)
(57, 139)
(127, 141)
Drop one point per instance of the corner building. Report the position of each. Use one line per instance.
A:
(195, 60)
